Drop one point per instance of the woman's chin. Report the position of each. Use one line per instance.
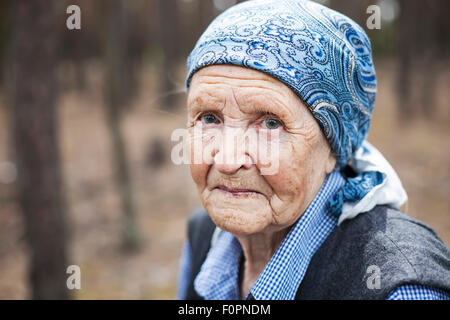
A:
(240, 222)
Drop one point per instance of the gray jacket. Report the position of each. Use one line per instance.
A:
(363, 258)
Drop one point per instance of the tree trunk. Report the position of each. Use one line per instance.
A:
(116, 97)
(170, 41)
(35, 39)
(405, 56)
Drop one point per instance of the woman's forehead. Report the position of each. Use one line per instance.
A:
(214, 85)
(233, 74)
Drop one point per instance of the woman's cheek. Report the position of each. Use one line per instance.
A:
(288, 183)
(265, 150)
(291, 179)
(198, 167)
(198, 173)
(280, 180)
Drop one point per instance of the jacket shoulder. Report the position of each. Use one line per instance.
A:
(200, 231)
(421, 247)
(401, 249)
(199, 225)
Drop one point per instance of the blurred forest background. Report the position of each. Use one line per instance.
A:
(86, 118)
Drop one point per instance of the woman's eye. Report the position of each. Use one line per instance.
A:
(209, 119)
(271, 124)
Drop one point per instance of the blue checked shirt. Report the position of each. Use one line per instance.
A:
(218, 278)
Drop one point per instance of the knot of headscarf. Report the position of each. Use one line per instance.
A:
(322, 55)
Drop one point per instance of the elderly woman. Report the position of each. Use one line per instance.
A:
(323, 224)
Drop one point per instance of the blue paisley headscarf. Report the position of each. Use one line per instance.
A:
(326, 58)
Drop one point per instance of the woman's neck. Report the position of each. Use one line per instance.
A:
(258, 249)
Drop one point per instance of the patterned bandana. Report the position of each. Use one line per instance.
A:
(322, 55)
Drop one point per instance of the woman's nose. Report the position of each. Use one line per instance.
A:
(231, 153)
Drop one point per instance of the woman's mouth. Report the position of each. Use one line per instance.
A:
(236, 191)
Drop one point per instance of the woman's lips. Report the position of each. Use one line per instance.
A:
(236, 191)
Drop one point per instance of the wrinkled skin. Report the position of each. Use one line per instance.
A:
(258, 209)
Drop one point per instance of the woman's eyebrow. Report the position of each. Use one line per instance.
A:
(200, 102)
(265, 106)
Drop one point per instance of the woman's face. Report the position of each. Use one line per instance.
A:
(244, 122)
